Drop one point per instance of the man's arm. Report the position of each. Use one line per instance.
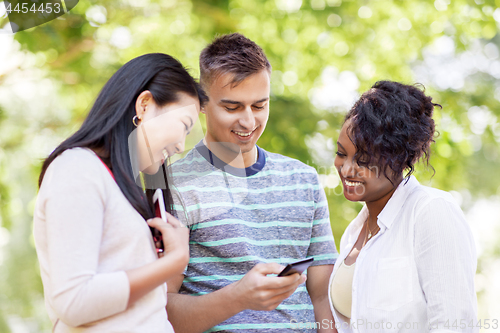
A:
(255, 291)
(318, 278)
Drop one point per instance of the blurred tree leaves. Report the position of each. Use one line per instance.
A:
(304, 40)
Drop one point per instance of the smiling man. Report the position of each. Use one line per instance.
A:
(250, 212)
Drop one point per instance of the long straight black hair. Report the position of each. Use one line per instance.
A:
(109, 122)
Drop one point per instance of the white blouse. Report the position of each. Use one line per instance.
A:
(417, 273)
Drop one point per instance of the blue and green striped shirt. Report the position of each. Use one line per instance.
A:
(272, 211)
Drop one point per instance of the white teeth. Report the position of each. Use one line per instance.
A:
(165, 154)
(243, 134)
(348, 183)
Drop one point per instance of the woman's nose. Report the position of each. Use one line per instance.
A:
(348, 169)
(179, 147)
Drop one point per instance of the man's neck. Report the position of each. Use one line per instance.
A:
(251, 157)
(232, 157)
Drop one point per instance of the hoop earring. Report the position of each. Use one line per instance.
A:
(136, 120)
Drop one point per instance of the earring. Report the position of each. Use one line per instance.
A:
(136, 120)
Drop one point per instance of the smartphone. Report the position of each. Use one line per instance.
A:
(296, 267)
(161, 212)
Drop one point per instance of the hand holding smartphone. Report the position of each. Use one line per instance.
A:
(296, 267)
(160, 211)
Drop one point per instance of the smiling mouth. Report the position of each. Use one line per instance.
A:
(245, 134)
(352, 183)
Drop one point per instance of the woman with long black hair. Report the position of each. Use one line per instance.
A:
(98, 261)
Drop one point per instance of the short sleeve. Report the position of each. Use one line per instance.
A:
(322, 246)
(179, 207)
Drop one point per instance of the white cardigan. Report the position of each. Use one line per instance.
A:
(87, 235)
(418, 269)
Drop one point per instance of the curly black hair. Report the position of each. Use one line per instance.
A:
(391, 126)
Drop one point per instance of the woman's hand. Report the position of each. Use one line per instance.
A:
(175, 259)
(175, 238)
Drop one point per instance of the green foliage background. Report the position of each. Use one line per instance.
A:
(65, 63)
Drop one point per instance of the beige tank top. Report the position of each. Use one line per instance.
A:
(341, 289)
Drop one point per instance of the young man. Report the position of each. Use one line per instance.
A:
(250, 212)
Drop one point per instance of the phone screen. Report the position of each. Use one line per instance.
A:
(157, 209)
(296, 267)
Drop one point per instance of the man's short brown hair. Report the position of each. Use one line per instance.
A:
(234, 54)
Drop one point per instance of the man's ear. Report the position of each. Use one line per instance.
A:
(144, 99)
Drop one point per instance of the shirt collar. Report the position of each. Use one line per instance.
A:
(239, 172)
(396, 202)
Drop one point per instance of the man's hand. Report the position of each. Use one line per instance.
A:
(257, 291)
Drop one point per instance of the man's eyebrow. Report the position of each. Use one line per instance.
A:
(262, 100)
(228, 101)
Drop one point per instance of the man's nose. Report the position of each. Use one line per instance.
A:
(247, 119)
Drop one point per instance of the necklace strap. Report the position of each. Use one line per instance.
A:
(369, 234)
(372, 233)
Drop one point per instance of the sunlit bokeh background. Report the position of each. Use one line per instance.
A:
(324, 53)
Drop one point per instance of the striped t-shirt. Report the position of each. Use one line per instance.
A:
(272, 211)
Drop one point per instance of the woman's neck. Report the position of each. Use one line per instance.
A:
(376, 207)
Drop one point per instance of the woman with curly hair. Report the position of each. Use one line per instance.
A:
(407, 261)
